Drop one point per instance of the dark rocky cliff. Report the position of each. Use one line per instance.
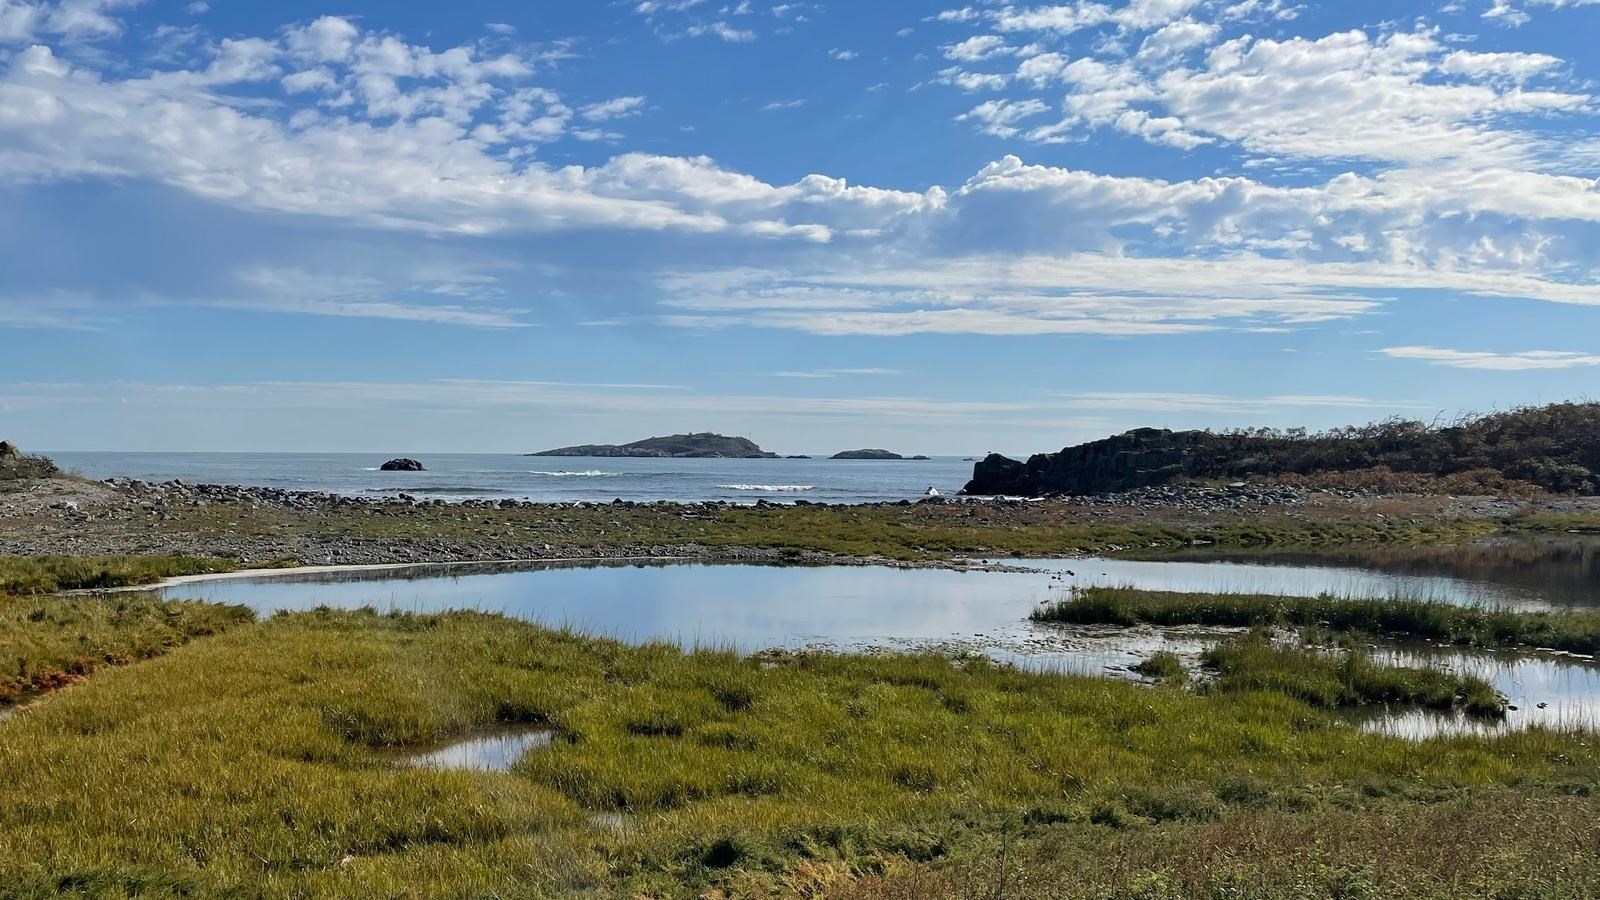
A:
(1554, 448)
(1139, 458)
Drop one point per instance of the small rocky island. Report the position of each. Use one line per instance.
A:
(704, 445)
(402, 464)
(866, 454)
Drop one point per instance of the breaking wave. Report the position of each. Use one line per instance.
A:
(590, 473)
(769, 488)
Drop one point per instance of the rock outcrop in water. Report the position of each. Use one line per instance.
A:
(866, 454)
(16, 465)
(1140, 458)
(403, 464)
(704, 445)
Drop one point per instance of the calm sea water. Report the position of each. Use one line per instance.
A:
(545, 478)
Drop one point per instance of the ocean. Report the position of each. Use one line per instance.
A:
(459, 476)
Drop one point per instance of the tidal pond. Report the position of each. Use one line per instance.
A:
(867, 608)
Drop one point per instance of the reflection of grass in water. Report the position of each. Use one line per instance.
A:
(1347, 679)
(256, 760)
(1576, 631)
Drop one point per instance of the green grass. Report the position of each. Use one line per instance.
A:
(259, 761)
(1351, 678)
(26, 575)
(50, 642)
(1495, 844)
(1575, 631)
(1163, 665)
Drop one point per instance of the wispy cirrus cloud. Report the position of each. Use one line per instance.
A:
(1524, 361)
(833, 373)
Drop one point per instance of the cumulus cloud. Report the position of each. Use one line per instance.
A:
(413, 139)
(327, 122)
(1392, 95)
(69, 20)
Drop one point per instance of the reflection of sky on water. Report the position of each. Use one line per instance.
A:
(1270, 577)
(1542, 570)
(1568, 688)
(747, 607)
(486, 753)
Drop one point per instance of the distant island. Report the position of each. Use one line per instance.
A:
(866, 454)
(676, 446)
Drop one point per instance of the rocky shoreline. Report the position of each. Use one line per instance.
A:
(255, 526)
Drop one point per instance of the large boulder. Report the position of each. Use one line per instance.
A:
(403, 464)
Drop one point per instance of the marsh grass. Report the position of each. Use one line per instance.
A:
(258, 761)
(1163, 665)
(24, 575)
(1576, 631)
(1350, 678)
(50, 642)
(1491, 844)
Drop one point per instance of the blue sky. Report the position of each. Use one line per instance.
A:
(936, 227)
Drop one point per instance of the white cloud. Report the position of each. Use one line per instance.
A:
(999, 117)
(373, 133)
(1166, 130)
(842, 55)
(651, 7)
(973, 81)
(833, 373)
(1176, 38)
(615, 108)
(1519, 66)
(1137, 401)
(978, 47)
(722, 30)
(428, 168)
(1135, 15)
(1400, 97)
(1499, 362)
(70, 20)
(1348, 95)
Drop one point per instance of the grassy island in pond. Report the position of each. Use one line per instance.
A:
(261, 762)
(1573, 631)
